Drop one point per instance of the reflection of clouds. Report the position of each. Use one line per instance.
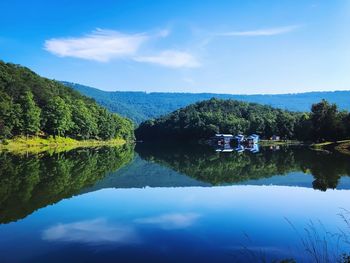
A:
(91, 231)
(171, 221)
(266, 249)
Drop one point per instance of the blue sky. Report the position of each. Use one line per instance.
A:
(232, 46)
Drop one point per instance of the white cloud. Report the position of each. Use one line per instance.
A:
(104, 45)
(171, 221)
(171, 58)
(163, 33)
(100, 45)
(90, 231)
(262, 32)
(189, 80)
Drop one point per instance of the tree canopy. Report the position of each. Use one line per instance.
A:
(31, 105)
(203, 119)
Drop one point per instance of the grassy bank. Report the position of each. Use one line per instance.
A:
(280, 142)
(340, 146)
(57, 144)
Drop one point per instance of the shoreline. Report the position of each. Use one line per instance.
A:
(342, 146)
(280, 142)
(58, 144)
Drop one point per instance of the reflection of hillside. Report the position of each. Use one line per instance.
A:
(29, 183)
(140, 173)
(203, 164)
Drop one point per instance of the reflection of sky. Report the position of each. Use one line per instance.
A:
(90, 231)
(170, 221)
(213, 220)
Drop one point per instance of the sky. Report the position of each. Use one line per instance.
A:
(222, 46)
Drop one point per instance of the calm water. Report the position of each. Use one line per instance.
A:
(173, 203)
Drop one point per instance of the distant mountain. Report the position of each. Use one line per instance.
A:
(140, 106)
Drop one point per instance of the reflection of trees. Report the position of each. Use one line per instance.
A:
(202, 163)
(327, 168)
(29, 183)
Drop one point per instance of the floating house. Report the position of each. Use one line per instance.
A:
(222, 142)
(224, 148)
(222, 139)
(239, 138)
(252, 139)
(240, 148)
(254, 148)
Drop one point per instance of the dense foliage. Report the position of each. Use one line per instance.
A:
(141, 106)
(31, 105)
(28, 183)
(204, 119)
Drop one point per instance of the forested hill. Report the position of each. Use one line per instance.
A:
(141, 106)
(203, 119)
(32, 105)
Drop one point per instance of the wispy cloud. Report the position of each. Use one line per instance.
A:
(90, 231)
(171, 58)
(189, 80)
(163, 33)
(262, 32)
(171, 221)
(101, 45)
(104, 45)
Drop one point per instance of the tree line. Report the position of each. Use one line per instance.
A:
(141, 106)
(203, 119)
(32, 105)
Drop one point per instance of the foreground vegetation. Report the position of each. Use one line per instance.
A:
(203, 119)
(317, 244)
(31, 105)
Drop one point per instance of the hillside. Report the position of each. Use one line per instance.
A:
(32, 105)
(203, 119)
(141, 106)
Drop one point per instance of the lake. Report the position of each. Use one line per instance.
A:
(174, 203)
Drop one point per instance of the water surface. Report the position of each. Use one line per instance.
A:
(171, 203)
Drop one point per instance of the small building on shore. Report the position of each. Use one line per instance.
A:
(221, 138)
(275, 138)
(253, 139)
(239, 138)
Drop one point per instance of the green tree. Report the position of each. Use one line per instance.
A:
(30, 114)
(285, 123)
(324, 121)
(303, 128)
(106, 125)
(124, 128)
(85, 125)
(57, 117)
(10, 116)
